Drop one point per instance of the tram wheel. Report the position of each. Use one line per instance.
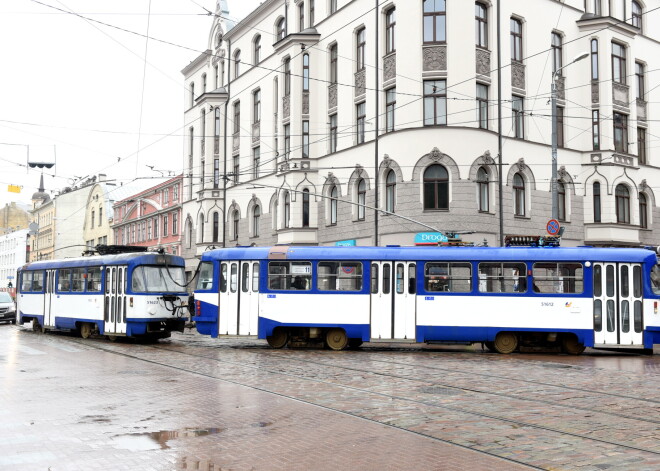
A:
(570, 345)
(490, 346)
(505, 342)
(336, 339)
(36, 327)
(85, 330)
(279, 338)
(112, 338)
(355, 343)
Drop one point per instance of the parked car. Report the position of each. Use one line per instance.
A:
(7, 308)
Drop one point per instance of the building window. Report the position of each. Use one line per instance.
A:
(281, 28)
(361, 198)
(237, 63)
(596, 190)
(216, 226)
(256, 161)
(361, 112)
(333, 133)
(216, 131)
(217, 79)
(189, 234)
(639, 80)
(435, 102)
(481, 25)
(482, 105)
(436, 187)
(560, 126)
(390, 191)
(256, 215)
(165, 225)
(620, 132)
(622, 195)
(518, 107)
(641, 146)
(305, 208)
(203, 83)
(305, 77)
(594, 59)
(156, 226)
(595, 129)
(93, 219)
(175, 223)
(435, 30)
(305, 139)
(618, 63)
(390, 24)
(256, 106)
(561, 201)
(334, 193)
(311, 14)
(191, 141)
(483, 190)
(149, 229)
(301, 17)
(237, 218)
(237, 117)
(390, 105)
(516, 40)
(216, 173)
(287, 209)
(333, 64)
(636, 15)
(237, 167)
(333, 6)
(556, 44)
(287, 140)
(287, 76)
(200, 229)
(643, 215)
(192, 94)
(361, 37)
(518, 195)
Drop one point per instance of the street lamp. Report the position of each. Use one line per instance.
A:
(553, 95)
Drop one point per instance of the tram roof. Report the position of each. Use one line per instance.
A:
(593, 254)
(130, 259)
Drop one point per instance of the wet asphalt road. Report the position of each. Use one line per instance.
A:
(191, 402)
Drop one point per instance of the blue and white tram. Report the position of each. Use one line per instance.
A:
(119, 295)
(504, 297)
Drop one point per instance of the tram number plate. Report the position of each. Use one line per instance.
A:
(429, 298)
(546, 304)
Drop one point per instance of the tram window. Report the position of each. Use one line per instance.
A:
(64, 280)
(412, 279)
(94, 279)
(450, 277)
(205, 279)
(399, 278)
(78, 280)
(255, 277)
(233, 278)
(374, 278)
(637, 281)
(625, 282)
(497, 277)
(290, 275)
(559, 277)
(107, 281)
(339, 276)
(609, 281)
(245, 277)
(598, 315)
(26, 281)
(598, 280)
(637, 317)
(610, 315)
(387, 280)
(655, 279)
(223, 278)
(156, 279)
(625, 316)
(38, 281)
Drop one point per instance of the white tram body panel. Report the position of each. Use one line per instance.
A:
(315, 309)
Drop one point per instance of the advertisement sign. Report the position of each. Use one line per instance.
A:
(346, 243)
(430, 238)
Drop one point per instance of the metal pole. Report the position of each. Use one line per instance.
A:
(376, 180)
(499, 126)
(553, 98)
(224, 165)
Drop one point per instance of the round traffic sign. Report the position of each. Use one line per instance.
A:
(552, 227)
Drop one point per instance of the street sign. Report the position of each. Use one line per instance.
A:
(553, 227)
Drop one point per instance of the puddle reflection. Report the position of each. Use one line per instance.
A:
(156, 440)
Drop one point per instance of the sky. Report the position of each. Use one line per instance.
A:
(80, 93)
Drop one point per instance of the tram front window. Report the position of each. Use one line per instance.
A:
(655, 279)
(158, 279)
(205, 279)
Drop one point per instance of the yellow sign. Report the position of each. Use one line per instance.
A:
(14, 189)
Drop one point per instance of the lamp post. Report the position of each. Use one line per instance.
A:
(553, 96)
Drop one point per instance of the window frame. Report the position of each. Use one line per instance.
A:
(620, 124)
(619, 63)
(641, 146)
(360, 121)
(446, 280)
(360, 48)
(440, 187)
(516, 34)
(390, 191)
(622, 204)
(557, 45)
(597, 202)
(643, 211)
(519, 195)
(357, 277)
(439, 15)
(361, 186)
(437, 95)
(390, 30)
(481, 25)
(518, 117)
(483, 190)
(390, 106)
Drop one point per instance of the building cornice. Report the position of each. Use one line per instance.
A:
(245, 22)
(196, 63)
(589, 23)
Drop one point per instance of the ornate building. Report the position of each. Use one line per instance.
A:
(307, 115)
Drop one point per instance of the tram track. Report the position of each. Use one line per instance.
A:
(391, 397)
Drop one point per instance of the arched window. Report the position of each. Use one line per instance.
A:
(189, 233)
(287, 209)
(436, 187)
(643, 214)
(237, 63)
(216, 226)
(257, 50)
(622, 196)
(281, 27)
(637, 14)
(561, 201)
(200, 229)
(305, 76)
(203, 83)
(256, 215)
(482, 185)
(361, 198)
(305, 208)
(519, 195)
(287, 76)
(596, 201)
(236, 220)
(390, 191)
(334, 193)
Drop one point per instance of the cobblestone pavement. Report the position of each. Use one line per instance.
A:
(191, 402)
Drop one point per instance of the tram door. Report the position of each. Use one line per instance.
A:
(228, 305)
(618, 304)
(114, 307)
(248, 302)
(393, 300)
(49, 290)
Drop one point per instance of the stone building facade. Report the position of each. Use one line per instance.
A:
(307, 114)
